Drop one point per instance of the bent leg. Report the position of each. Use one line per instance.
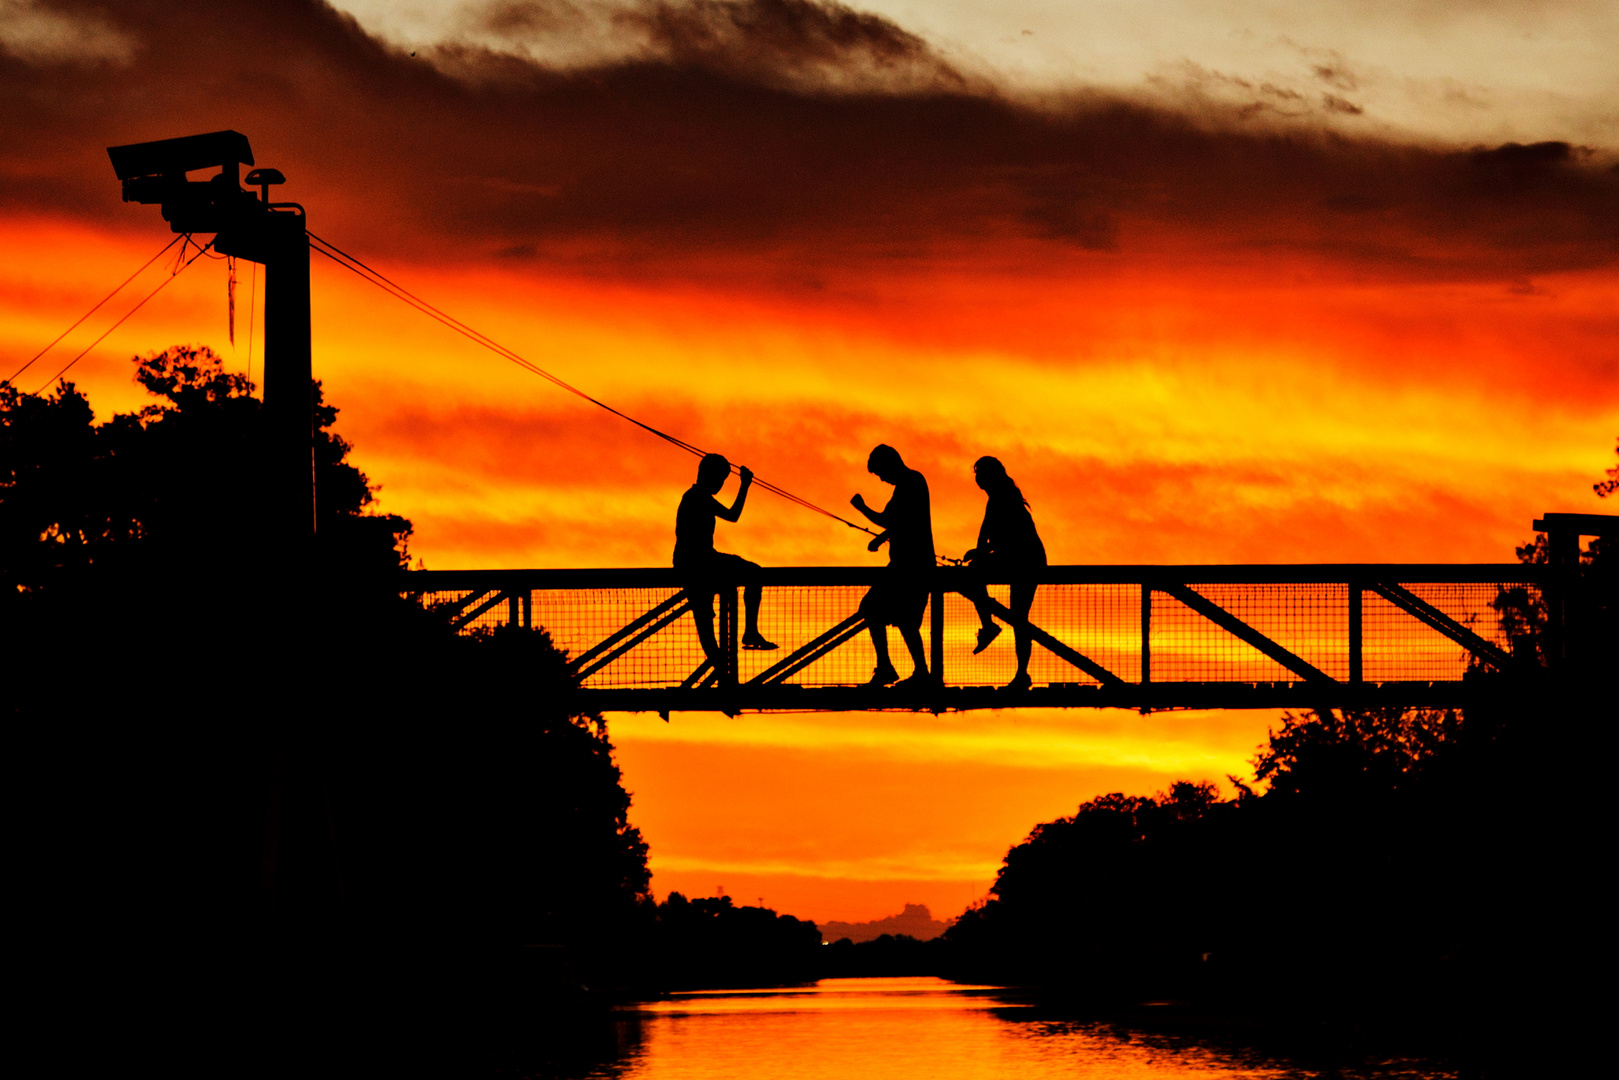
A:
(977, 594)
(983, 571)
(1022, 602)
(873, 610)
(910, 606)
(702, 611)
(741, 571)
(919, 657)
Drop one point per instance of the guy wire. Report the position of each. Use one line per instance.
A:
(387, 285)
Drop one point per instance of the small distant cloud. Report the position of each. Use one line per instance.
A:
(40, 35)
(1336, 75)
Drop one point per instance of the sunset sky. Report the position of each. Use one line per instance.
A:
(1218, 281)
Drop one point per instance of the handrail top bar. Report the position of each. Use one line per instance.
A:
(1176, 573)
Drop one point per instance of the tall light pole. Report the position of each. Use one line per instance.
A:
(249, 226)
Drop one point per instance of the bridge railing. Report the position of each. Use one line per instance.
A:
(1133, 636)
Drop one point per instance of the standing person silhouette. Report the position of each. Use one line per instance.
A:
(1009, 550)
(706, 570)
(900, 598)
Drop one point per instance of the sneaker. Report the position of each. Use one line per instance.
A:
(916, 680)
(986, 634)
(883, 676)
(756, 641)
(1020, 681)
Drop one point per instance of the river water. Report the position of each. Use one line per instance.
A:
(923, 1029)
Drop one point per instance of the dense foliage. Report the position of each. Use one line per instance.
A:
(308, 803)
(169, 489)
(1421, 864)
(710, 942)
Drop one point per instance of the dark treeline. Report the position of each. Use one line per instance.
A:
(318, 823)
(885, 956)
(259, 818)
(708, 942)
(1430, 871)
(258, 814)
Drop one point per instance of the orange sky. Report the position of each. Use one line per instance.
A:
(1189, 342)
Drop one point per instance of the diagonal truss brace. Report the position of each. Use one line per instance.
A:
(465, 612)
(629, 636)
(811, 651)
(705, 674)
(1228, 622)
(1073, 656)
(1414, 605)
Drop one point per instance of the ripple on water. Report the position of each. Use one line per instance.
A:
(917, 1029)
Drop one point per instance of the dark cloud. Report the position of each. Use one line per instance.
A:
(1336, 75)
(785, 131)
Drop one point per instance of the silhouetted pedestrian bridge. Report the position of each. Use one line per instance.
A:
(1140, 637)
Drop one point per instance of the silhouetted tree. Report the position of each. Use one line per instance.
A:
(169, 490)
(1106, 900)
(884, 956)
(1334, 754)
(287, 822)
(710, 942)
(1607, 487)
(1522, 612)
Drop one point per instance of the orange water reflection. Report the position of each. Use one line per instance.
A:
(915, 1029)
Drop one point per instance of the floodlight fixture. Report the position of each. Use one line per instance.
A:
(264, 178)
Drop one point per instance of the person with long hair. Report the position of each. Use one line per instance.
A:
(1009, 551)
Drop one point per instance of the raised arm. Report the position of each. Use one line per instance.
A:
(735, 510)
(876, 517)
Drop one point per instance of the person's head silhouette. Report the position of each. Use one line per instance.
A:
(885, 463)
(987, 470)
(711, 473)
(991, 477)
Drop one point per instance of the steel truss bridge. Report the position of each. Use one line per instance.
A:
(1138, 637)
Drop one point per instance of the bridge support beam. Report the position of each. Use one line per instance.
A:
(936, 635)
(1095, 619)
(1146, 635)
(1357, 633)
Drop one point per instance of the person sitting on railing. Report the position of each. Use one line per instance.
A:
(707, 570)
(1009, 551)
(900, 599)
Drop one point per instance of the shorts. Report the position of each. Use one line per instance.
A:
(714, 572)
(722, 568)
(895, 602)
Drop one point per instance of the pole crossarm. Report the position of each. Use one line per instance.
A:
(1141, 637)
(1234, 626)
(1421, 609)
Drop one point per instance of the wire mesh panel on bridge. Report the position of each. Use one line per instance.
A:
(1401, 648)
(1310, 620)
(1107, 626)
(1102, 621)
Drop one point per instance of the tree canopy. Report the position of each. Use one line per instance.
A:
(169, 487)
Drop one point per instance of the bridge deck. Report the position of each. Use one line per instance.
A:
(1139, 637)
